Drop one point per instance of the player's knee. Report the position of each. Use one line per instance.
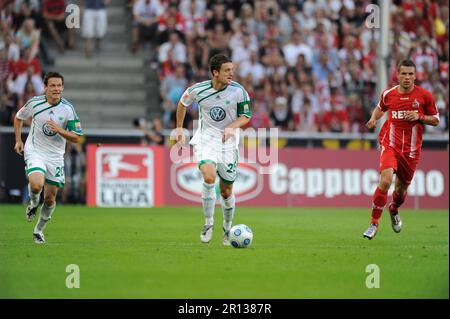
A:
(36, 187)
(385, 183)
(209, 179)
(49, 201)
(226, 192)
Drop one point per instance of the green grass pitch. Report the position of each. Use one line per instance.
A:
(157, 253)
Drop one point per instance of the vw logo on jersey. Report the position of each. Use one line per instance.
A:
(48, 130)
(217, 113)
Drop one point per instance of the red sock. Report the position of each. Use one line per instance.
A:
(397, 200)
(378, 203)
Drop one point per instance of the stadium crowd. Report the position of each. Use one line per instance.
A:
(308, 65)
(27, 29)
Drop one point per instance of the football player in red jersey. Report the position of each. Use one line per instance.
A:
(409, 108)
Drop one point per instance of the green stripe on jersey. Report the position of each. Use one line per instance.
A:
(35, 99)
(44, 110)
(212, 94)
(209, 87)
(64, 101)
(199, 85)
(40, 104)
(235, 84)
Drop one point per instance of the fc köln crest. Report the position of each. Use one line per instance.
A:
(415, 104)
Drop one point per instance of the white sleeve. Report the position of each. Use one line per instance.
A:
(188, 97)
(26, 111)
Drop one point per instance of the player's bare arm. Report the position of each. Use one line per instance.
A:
(412, 116)
(181, 113)
(18, 147)
(70, 136)
(376, 115)
(229, 131)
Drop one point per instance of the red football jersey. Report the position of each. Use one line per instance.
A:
(402, 135)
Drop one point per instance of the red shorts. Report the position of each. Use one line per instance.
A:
(403, 166)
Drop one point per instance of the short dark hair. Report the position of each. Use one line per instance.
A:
(49, 75)
(216, 61)
(406, 63)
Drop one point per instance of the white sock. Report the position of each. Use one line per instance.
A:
(228, 206)
(46, 215)
(34, 197)
(209, 202)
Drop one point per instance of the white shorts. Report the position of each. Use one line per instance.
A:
(94, 23)
(53, 170)
(226, 161)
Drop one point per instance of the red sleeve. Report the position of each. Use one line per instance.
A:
(430, 106)
(381, 103)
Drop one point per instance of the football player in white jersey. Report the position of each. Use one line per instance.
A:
(54, 121)
(224, 107)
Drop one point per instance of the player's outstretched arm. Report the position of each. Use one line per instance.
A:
(70, 136)
(181, 113)
(18, 147)
(376, 115)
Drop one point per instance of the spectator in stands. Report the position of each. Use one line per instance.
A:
(175, 82)
(425, 58)
(218, 40)
(281, 115)
(28, 37)
(218, 17)
(174, 15)
(22, 71)
(297, 47)
(24, 9)
(442, 108)
(12, 50)
(252, 70)
(145, 21)
(54, 14)
(4, 70)
(194, 13)
(335, 120)
(94, 24)
(75, 170)
(355, 114)
(153, 131)
(242, 51)
(260, 118)
(198, 54)
(174, 49)
(306, 120)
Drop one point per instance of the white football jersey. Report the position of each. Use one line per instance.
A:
(217, 110)
(41, 138)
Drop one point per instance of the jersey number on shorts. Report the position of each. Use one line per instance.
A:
(59, 171)
(231, 167)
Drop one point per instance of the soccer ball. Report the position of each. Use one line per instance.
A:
(241, 236)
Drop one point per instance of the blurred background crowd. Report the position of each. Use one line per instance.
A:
(308, 65)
